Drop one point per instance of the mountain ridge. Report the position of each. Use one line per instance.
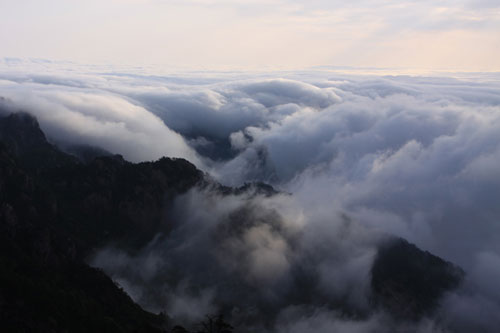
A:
(56, 209)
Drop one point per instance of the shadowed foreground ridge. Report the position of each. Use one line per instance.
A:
(409, 282)
(56, 209)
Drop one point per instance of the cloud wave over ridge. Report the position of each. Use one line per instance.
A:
(362, 156)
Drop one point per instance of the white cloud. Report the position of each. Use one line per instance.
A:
(362, 155)
(86, 116)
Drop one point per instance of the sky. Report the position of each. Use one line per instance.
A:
(459, 35)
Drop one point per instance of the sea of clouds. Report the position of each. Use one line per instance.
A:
(357, 156)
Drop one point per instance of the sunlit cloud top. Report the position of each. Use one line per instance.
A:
(218, 34)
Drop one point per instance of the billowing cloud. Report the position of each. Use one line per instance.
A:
(249, 255)
(72, 115)
(361, 156)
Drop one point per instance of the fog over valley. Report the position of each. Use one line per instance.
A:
(310, 179)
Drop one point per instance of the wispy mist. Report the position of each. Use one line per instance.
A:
(357, 158)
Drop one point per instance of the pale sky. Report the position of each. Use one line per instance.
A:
(460, 35)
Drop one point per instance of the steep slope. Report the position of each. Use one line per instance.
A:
(44, 286)
(56, 209)
(53, 211)
(409, 282)
(26, 141)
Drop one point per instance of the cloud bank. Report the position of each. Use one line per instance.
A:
(362, 156)
(81, 115)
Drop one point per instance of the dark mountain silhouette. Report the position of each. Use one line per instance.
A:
(56, 209)
(85, 153)
(27, 143)
(409, 282)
